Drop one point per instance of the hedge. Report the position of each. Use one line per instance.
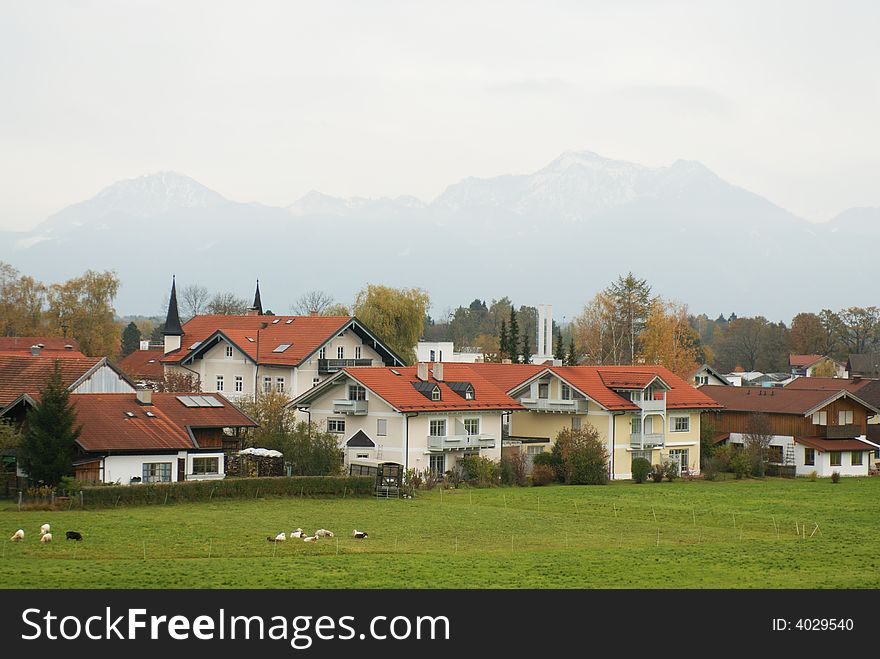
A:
(227, 488)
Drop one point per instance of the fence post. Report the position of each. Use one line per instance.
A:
(19, 501)
(81, 505)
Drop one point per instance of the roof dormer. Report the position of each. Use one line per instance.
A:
(430, 390)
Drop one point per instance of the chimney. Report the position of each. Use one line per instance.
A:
(506, 361)
(35, 350)
(422, 371)
(252, 312)
(145, 345)
(144, 396)
(313, 312)
(438, 372)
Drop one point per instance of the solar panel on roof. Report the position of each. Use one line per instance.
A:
(212, 402)
(187, 400)
(282, 347)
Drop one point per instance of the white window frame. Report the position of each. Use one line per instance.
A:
(844, 417)
(435, 393)
(544, 387)
(357, 352)
(322, 353)
(471, 421)
(820, 418)
(336, 426)
(382, 427)
(279, 385)
(316, 381)
(229, 351)
(437, 464)
(208, 459)
(159, 468)
(564, 391)
(220, 383)
(436, 425)
(340, 352)
(674, 424)
(239, 383)
(357, 392)
(267, 384)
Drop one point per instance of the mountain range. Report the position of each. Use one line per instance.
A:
(556, 236)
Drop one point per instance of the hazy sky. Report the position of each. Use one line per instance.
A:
(264, 101)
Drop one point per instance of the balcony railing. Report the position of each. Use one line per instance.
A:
(555, 405)
(333, 365)
(652, 405)
(644, 440)
(459, 442)
(843, 432)
(345, 406)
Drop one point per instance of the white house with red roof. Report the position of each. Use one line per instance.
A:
(638, 411)
(242, 356)
(423, 417)
(148, 437)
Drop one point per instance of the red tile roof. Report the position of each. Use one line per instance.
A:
(144, 364)
(304, 334)
(829, 384)
(804, 361)
(597, 382)
(822, 444)
(107, 427)
(28, 374)
(22, 344)
(399, 392)
(773, 400)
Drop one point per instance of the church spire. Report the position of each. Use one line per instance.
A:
(172, 320)
(258, 303)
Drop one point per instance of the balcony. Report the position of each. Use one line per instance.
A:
(555, 405)
(459, 442)
(345, 406)
(645, 440)
(843, 432)
(333, 365)
(652, 405)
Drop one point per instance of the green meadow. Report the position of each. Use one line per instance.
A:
(773, 533)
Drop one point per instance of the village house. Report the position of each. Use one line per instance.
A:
(147, 437)
(144, 365)
(242, 356)
(423, 417)
(866, 366)
(808, 365)
(708, 375)
(638, 411)
(817, 430)
(39, 345)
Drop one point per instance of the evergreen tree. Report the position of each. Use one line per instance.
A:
(572, 355)
(559, 351)
(47, 447)
(526, 350)
(513, 335)
(504, 346)
(131, 339)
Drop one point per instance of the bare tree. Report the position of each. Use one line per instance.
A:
(756, 440)
(193, 300)
(313, 301)
(227, 304)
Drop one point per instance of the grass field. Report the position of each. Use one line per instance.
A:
(732, 534)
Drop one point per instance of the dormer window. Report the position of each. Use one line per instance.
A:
(469, 393)
(435, 393)
(566, 392)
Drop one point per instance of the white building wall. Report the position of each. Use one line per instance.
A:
(823, 466)
(104, 381)
(122, 468)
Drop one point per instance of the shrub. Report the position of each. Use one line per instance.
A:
(543, 474)
(552, 459)
(514, 469)
(412, 481)
(741, 463)
(640, 469)
(479, 470)
(583, 456)
(814, 475)
(670, 469)
(835, 476)
(722, 456)
(657, 473)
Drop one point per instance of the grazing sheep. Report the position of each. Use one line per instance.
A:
(360, 535)
(46, 537)
(18, 536)
(44, 529)
(310, 538)
(324, 533)
(299, 533)
(74, 535)
(277, 538)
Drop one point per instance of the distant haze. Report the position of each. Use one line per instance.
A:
(270, 100)
(557, 235)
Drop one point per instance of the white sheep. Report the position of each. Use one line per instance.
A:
(46, 537)
(360, 535)
(44, 529)
(310, 538)
(324, 533)
(297, 534)
(18, 536)
(278, 538)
